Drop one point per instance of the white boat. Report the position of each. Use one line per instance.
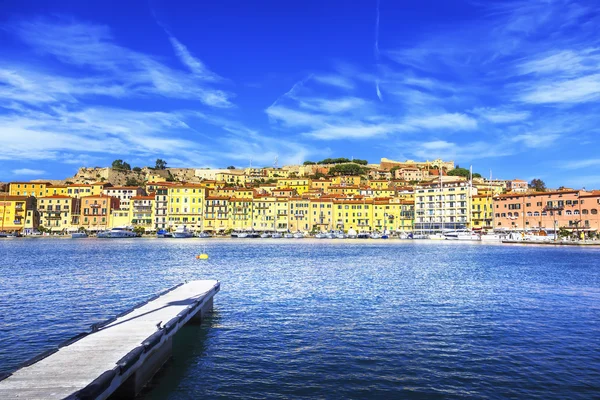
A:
(265, 235)
(203, 235)
(492, 238)
(340, 235)
(182, 232)
(321, 235)
(242, 235)
(462, 234)
(288, 236)
(436, 236)
(330, 235)
(298, 235)
(276, 235)
(117, 233)
(375, 235)
(351, 234)
(78, 235)
(363, 235)
(403, 236)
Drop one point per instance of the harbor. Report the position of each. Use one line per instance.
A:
(319, 318)
(117, 357)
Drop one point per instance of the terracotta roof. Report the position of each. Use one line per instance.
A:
(56, 196)
(143, 198)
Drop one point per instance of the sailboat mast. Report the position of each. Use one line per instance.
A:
(442, 196)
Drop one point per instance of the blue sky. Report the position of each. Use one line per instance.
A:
(511, 86)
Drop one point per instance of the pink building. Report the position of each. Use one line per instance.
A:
(570, 209)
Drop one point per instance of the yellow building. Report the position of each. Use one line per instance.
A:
(216, 214)
(186, 205)
(346, 180)
(356, 214)
(119, 217)
(407, 216)
(79, 190)
(17, 214)
(299, 218)
(35, 189)
(58, 213)
(321, 215)
(379, 184)
(322, 184)
(301, 185)
(264, 210)
(346, 190)
(385, 214)
(240, 213)
(56, 190)
(141, 212)
(482, 212)
(232, 177)
(273, 173)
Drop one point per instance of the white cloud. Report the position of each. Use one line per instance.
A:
(334, 80)
(501, 116)
(592, 162)
(28, 172)
(451, 121)
(578, 90)
(332, 105)
(115, 70)
(536, 140)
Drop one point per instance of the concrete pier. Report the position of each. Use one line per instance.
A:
(119, 356)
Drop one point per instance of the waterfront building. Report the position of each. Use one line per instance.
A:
(186, 203)
(216, 214)
(298, 215)
(240, 211)
(58, 213)
(264, 210)
(443, 206)
(141, 212)
(119, 217)
(35, 189)
(161, 207)
(407, 216)
(18, 214)
(321, 216)
(482, 212)
(96, 211)
(569, 209)
(124, 194)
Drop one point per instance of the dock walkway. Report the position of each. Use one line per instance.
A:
(117, 357)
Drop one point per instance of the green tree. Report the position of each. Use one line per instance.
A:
(360, 162)
(347, 169)
(121, 165)
(160, 164)
(133, 182)
(309, 163)
(139, 230)
(231, 167)
(136, 169)
(538, 185)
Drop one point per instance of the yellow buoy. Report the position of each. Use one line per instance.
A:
(202, 256)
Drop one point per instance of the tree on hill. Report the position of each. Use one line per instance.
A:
(160, 164)
(121, 165)
(231, 167)
(538, 185)
(136, 169)
(360, 162)
(133, 182)
(347, 169)
(309, 163)
(462, 172)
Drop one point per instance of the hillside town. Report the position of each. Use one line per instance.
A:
(331, 194)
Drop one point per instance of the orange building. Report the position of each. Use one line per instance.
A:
(95, 212)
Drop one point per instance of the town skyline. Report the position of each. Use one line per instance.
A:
(513, 87)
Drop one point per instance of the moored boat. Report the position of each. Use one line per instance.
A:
(78, 235)
(117, 233)
(182, 232)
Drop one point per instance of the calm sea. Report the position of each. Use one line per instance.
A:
(327, 319)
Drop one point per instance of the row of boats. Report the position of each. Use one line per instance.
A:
(462, 234)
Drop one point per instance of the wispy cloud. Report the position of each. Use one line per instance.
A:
(579, 164)
(119, 71)
(500, 115)
(579, 90)
(28, 172)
